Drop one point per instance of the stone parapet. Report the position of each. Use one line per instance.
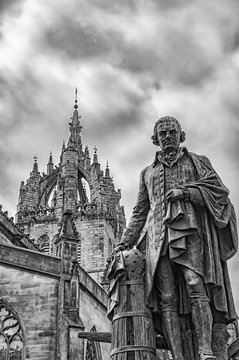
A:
(30, 260)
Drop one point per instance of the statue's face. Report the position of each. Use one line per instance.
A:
(168, 135)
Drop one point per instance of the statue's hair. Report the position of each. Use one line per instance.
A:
(154, 137)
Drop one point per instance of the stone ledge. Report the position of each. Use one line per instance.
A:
(30, 260)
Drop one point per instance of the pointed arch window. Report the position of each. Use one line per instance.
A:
(11, 334)
(93, 351)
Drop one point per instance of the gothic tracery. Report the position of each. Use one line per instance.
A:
(11, 334)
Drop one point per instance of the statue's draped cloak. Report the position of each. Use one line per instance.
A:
(201, 237)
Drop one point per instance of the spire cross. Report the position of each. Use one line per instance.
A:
(76, 106)
(95, 148)
(35, 158)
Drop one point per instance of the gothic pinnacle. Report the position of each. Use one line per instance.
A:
(107, 170)
(95, 159)
(50, 158)
(35, 165)
(87, 151)
(63, 146)
(50, 165)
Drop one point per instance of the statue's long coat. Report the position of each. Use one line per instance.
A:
(214, 231)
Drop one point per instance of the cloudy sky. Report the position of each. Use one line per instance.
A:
(132, 62)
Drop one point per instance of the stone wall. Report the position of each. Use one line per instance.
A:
(93, 315)
(34, 298)
(49, 228)
(96, 241)
(32, 284)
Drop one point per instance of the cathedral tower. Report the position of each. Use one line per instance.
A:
(44, 199)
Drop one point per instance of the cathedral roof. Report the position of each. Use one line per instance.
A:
(12, 235)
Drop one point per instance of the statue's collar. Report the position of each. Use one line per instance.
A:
(170, 159)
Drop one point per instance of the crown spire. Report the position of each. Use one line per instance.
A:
(75, 129)
(76, 117)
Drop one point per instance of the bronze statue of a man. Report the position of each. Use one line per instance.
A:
(190, 233)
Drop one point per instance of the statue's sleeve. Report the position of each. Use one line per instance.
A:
(216, 199)
(195, 197)
(139, 215)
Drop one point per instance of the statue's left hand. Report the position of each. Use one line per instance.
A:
(175, 194)
(120, 247)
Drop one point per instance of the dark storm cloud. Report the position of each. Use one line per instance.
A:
(174, 53)
(235, 43)
(9, 5)
(9, 8)
(139, 59)
(77, 42)
(169, 5)
(114, 124)
(181, 62)
(117, 5)
(182, 59)
(5, 178)
(231, 144)
(20, 102)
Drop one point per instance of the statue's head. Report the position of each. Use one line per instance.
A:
(168, 133)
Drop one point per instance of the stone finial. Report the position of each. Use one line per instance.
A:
(35, 164)
(63, 146)
(76, 105)
(50, 158)
(87, 154)
(107, 170)
(95, 158)
(50, 165)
